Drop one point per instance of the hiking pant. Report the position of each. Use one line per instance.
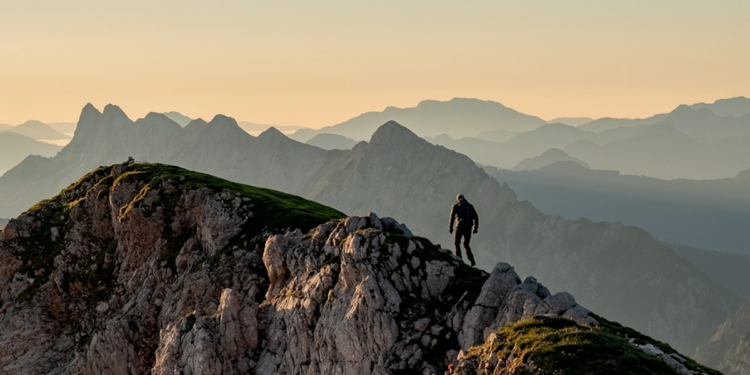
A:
(464, 232)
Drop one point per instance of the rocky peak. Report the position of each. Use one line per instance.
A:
(112, 111)
(393, 133)
(152, 268)
(89, 117)
(272, 133)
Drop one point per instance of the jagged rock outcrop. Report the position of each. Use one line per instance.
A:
(729, 348)
(153, 269)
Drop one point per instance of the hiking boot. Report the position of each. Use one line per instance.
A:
(458, 254)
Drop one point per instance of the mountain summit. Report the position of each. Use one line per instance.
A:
(149, 268)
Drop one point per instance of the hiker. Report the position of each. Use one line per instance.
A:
(465, 216)
(131, 160)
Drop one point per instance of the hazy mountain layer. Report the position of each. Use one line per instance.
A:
(15, 147)
(572, 121)
(4, 127)
(665, 152)
(149, 268)
(528, 144)
(331, 142)
(707, 127)
(38, 130)
(456, 118)
(709, 214)
(729, 348)
(732, 270)
(551, 156)
(397, 174)
(609, 123)
(498, 136)
(3, 222)
(734, 107)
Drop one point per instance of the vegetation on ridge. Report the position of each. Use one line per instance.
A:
(562, 346)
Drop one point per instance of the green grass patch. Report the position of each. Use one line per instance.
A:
(561, 346)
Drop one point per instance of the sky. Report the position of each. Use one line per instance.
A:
(318, 63)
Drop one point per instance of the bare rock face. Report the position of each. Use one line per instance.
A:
(154, 269)
(729, 349)
(130, 275)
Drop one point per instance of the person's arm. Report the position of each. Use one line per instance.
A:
(453, 218)
(476, 219)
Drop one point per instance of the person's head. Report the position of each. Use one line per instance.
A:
(460, 197)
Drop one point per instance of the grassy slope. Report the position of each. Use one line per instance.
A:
(561, 346)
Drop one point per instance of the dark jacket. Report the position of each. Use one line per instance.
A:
(464, 213)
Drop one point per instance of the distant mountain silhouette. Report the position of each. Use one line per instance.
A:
(529, 144)
(709, 214)
(38, 130)
(734, 107)
(4, 127)
(606, 265)
(609, 123)
(457, 118)
(178, 117)
(705, 126)
(3, 222)
(15, 147)
(572, 121)
(663, 151)
(549, 157)
(332, 142)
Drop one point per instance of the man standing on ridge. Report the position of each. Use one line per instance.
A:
(465, 216)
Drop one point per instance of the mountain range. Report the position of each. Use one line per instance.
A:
(687, 143)
(150, 268)
(706, 213)
(458, 117)
(398, 174)
(699, 141)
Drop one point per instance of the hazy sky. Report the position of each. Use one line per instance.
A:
(321, 62)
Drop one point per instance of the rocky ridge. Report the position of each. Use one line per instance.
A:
(151, 268)
(729, 348)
